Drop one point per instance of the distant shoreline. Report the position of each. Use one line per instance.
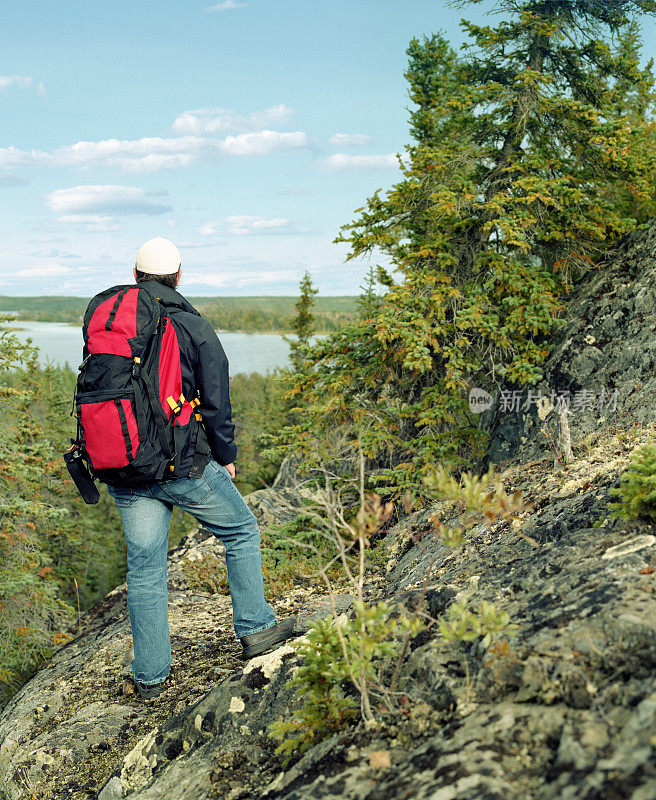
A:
(248, 315)
(4, 327)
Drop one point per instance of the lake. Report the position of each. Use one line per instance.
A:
(247, 352)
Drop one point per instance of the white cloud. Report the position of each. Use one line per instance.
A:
(242, 278)
(47, 271)
(246, 225)
(140, 155)
(46, 238)
(350, 139)
(341, 162)
(263, 142)
(104, 200)
(21, 82)
(208, 229)
(295, 191)
(198, 244)
(11, 156)
(53, 252)
(221, 120)
(226, 5)
(153, 153)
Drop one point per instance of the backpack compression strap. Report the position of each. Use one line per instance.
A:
(155, 408)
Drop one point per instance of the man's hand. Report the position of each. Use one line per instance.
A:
(231, 470)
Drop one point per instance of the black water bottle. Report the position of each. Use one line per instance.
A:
(81, 477)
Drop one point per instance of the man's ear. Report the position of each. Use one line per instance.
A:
(134, 271)
(178, 275)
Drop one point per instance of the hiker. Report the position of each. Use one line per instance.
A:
(211, 497)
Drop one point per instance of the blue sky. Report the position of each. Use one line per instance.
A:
(246, 131)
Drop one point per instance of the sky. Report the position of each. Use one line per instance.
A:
(245, 131)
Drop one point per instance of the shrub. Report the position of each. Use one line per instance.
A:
(206, 574)
(294, 552)
(319, 682)
(366, 652)
(339, 654)
(486, 623)
(637, 489)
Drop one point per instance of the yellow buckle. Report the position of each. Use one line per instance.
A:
(175, 408)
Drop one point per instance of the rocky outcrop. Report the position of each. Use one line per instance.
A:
(568, 712)
(70, 724)
(607, 343)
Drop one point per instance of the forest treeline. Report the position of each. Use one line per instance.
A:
(532, 153)
(245, 314)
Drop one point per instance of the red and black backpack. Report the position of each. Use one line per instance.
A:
(133, 422)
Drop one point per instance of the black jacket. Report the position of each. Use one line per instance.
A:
(204, 367)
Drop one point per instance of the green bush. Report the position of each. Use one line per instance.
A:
(293, 554)
(319, 682)
(486, 623)
(206, 574)
(637, 489)
(337, 655)
(258, 411)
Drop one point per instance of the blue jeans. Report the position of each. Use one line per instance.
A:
(145, 511)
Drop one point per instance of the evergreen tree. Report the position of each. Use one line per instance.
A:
(30, 611)
(303, 322)
(516, 182)
(369, 301)
(258, 410)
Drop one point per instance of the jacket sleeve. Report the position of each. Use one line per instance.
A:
(214, 390)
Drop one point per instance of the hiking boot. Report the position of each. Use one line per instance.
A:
(149, 691)
(257, 643)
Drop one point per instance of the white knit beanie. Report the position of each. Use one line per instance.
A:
(158, 256)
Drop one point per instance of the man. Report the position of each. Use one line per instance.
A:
(211, 498)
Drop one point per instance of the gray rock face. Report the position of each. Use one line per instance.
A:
(112, 790)
(607, 342)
